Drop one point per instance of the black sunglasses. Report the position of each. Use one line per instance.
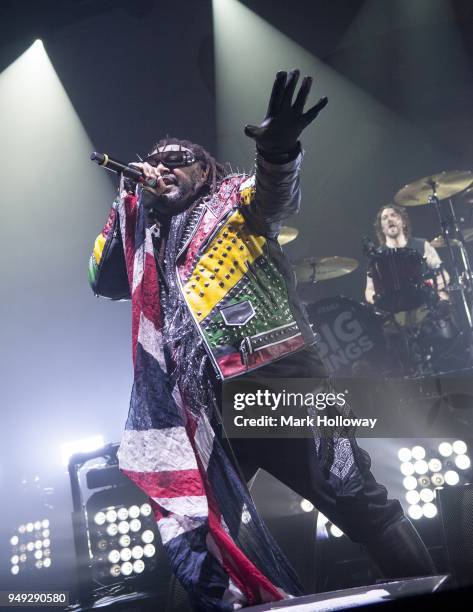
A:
(171, 159)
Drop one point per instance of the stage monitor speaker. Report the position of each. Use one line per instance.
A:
(456, 511)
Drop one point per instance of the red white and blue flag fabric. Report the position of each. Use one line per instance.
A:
(175, 457)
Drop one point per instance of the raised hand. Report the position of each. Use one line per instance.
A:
(285, 121)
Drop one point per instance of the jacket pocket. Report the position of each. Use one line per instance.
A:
(238, 314)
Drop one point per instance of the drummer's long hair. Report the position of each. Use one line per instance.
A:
(405, 221)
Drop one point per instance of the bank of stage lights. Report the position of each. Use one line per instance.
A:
(123, 541)
(31, 547)
(447, 465)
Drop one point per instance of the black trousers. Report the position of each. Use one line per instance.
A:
(356, 503)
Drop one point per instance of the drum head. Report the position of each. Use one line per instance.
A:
(350, 337)
(398, 279)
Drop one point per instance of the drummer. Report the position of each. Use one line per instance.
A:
(393, 230)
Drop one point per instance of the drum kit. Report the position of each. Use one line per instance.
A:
(417, 326)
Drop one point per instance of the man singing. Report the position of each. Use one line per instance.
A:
(393, 230)
(213, 297)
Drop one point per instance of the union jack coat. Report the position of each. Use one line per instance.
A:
(240, 292)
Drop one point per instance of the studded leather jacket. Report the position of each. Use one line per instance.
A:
(239, 287)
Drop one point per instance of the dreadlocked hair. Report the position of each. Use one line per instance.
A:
(216, 171)
(190, 363)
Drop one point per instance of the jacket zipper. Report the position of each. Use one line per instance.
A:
(215, 231)
(196, 323)
(192, 234)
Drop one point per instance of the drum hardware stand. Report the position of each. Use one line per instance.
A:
(462, 278)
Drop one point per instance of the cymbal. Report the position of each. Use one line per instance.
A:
(312, 269)
(467, 197)
(438, 242)
(287, 234)
(447, 184)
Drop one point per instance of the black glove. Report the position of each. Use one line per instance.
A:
(284, 122)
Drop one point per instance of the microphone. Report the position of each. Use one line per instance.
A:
(368, 246)
(105, 161)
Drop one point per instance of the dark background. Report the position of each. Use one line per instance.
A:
(398, 74)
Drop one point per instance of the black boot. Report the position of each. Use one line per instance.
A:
(399, 552)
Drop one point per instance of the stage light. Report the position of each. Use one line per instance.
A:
(413, 497)
(306, 505)
(29, 548)
(47, 562)
(415, 512)
(114, 556)
(427, 495)
(409, 483)
(429, 510)
(433, 468)
(138, 566)
(146, 510)
(126, 568)
(423, 481)
(111, 516)
(84, 445)
(124, 541)
(135, 525)
(137, 552)
(111, 545)
(45, 533)
(418, 452)
(45, 524)
(336, 531)
(445, 449)
(122, 514)
(452, 477)
(102, 544)
(14, 569)
(404, 454)
(147, 536)
(435, 465)
(134, 512)
(459, 447)
(117, 546)
(462, 462)
(421, 466)
(115, 571)
(407, 469)
(112, 529)
(149, 550)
